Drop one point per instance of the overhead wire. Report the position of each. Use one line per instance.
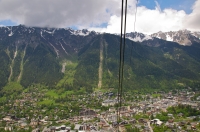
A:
(120, 60)
(122, 54)
(134, 27)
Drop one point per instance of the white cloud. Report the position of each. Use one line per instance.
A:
(58, 13)
(92, 13)
(192, 21)
(151, 21)
(148, 21)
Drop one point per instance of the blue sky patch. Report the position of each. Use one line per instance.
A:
(174, 4)
(8, 23)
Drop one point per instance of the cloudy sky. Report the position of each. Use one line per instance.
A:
(103, 15)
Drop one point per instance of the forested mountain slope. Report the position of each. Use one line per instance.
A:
(65, 58)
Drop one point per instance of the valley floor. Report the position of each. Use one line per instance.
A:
(48, 110)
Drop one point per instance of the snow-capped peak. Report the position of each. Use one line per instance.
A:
(183, 37)
(137, 37)
(83, 32)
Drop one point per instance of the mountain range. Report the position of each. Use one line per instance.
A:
(75, 59)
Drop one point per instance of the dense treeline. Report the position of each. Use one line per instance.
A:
(87, 69)
(185, 110)
(4, 69)
(41, 66)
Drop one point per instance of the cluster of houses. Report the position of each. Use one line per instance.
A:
(96, 120)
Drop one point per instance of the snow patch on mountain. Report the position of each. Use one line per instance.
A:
(9, 29)
(83, 32)
(137, 37)
(182, 37)
(55, 49)
(42, 35)
(49, 32)
(63, 48)
(196, 34)
(169, 38)
(31, 30)
(11, 33)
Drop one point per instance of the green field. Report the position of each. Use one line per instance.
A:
(68, 75)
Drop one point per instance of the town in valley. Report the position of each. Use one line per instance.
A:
(41, 110)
